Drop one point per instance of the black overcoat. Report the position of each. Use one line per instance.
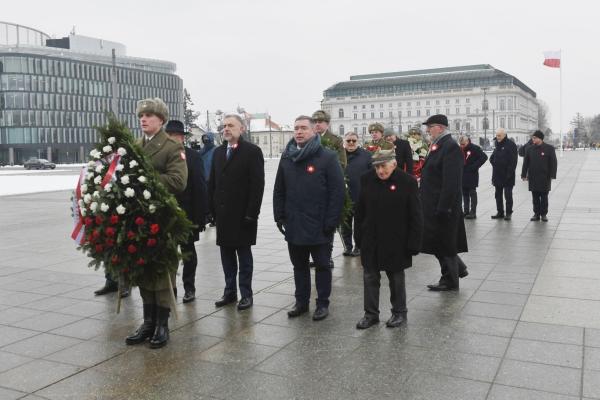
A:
(389, 221)
(474, 159)
(504, 163)
(359, 163)
(193, 200)
(404, 155)
(309, 196)
(235, 191)
(441, 195)
(539, 166)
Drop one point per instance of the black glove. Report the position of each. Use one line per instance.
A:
(280, 226)
(202, 226)
(328, 231)
(210, 219)
(249, 221)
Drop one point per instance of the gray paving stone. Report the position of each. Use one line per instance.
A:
(549, 333)
(592, 337)
(501, 392)
(35, 375)
(541, 377)
(566, 355)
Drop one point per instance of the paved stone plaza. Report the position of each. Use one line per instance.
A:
(525, 324)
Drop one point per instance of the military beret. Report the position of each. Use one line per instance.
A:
(382, 156)
(538, 134)
(376, 127)
(439, 119)
(153, 106)
(321, 115)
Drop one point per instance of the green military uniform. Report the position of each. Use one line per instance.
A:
(329, 140)
(381, 144)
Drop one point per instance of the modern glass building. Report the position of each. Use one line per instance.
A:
(53, 92)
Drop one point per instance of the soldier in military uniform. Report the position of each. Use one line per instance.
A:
(168, 159)
(377, 141)
(328, 139)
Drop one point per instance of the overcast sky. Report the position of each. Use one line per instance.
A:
(279, 56)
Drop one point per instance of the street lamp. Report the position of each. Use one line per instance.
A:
(484, 108)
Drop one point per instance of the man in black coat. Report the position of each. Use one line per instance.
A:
(390, 220)
(193, 201)
(504, 163)
(308, 198)
(474, 159)
(444, 233)
(404, 154)
(359, 163)
(236, 185)
(539, 168)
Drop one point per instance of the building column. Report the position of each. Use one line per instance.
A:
(49, 153)
(81, 154)
(11, 156)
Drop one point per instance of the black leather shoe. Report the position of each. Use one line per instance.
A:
(161, 332)
(471, 216)
(441, 287)
(356, 253)
(463, 274)
(498, 216)
(107, 288)
(226, 300)
(507, 217)
(347, 253)
(245, 303)
(189, 296)
(311, 264)
(544, 218)
(320, 313)
(367, 322)
(535, 218)
(298, 310)
(396, 320)
(124, 292)
(146, 330)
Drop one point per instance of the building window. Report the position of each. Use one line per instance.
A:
(341, 113)
(408, 104)
(447, 111)
(364, 106)
(457, 101)
(467, 110)
(391, 114)
(510, 123)
(364, 115)
(427, 102)
(381, 114)
(418, 113)
(510, 104)
(390, 105)
(502, 123)
(408, 113)
(355, 107)
(468, 127)
(427, 112)
(372, 115)
(457, 125)
(364, 130)
(467, 100)
(418, 103)
(437, 102)
(355, 116)
(458, 110)
(399, 114)
(502, 106)
(381, 106)
(447, 101)
(341, 130)
(372, 105)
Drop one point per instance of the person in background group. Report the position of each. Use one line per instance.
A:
(402, 150)
(389, 222)
(377, 141)
(444, 233)
(359, 163)
(168, 159)
(504, 163)
(307, 205)
(419, 148)
(539, 168)
(236, 185)
(208, 148)
(474, 159)
(193, 200)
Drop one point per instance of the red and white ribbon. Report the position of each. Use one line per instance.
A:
(77, 234)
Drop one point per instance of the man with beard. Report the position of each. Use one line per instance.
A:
(504, 163)
(307, 205)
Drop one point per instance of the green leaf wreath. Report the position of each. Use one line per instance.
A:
(348, 204)
(128, 221)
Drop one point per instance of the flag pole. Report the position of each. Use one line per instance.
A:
(561, 103)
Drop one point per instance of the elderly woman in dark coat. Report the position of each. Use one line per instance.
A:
(388, 239)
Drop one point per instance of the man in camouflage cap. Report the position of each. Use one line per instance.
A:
(328, 139)
(378, 142)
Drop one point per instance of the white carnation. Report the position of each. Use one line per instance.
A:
(97, 180)
(121, 210)
(112, 140)
(84, 188)
(99, 168)
(89, 175)
(104, 207)
(96, 194)
(107, 149)
(133, 163)
(121, 151)
(125, 179)
(120, 167)
(87, 198)
(129, 192)
(80, 202)
(93, 206)
(147, 194)
(152, 208)
(142, 179)
(83, 212)
(95, 154)
(108, 187)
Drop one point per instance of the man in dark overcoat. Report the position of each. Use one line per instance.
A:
(193, 201)
(388, 239)
(444, 233)
(504, 163)
(359, 163)
(539, 168)
(474, 158)
(307, 205)
(404, 154)
(236, 185)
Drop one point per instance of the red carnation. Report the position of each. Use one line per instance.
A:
(110, 232)
(88, 221)
(131, 249)
(140, 261)
(114, 219)
(98, 220)
(151, 242)
(95, 234)
(154, 228)
(130, 235)
(99, 248)
(125, 270)
(110, 242)
(115, 259)
(139, 221)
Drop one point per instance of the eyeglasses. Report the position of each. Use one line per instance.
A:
(350, 140)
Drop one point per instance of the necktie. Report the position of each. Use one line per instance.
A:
(228, 155)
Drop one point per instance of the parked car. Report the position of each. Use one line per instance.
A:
(38, 163)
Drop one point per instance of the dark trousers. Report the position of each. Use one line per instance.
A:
(507, 190)
(229, 259)
(347, 232)
(540, 203)
(110, 281)
(161, 298)
(299, 256)
(470, 200)
(451, 267)
(371, 279)
(189, 266)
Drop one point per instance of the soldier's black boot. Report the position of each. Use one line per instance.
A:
(146, 330)
(161, 332)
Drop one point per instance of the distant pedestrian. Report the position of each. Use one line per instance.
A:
(307, 205)
(474, 159)
(419, 148)
(208, 148)
(539, 168)
(389, 230)
(377, 141)
(504, 163)
(402, 150)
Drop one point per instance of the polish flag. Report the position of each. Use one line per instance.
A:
(552, 59)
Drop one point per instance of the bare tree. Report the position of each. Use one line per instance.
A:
(543, 115)
(189, 115)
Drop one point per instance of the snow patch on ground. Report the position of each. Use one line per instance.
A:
(21, 184)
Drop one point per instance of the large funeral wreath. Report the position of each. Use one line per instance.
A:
(125, 219)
